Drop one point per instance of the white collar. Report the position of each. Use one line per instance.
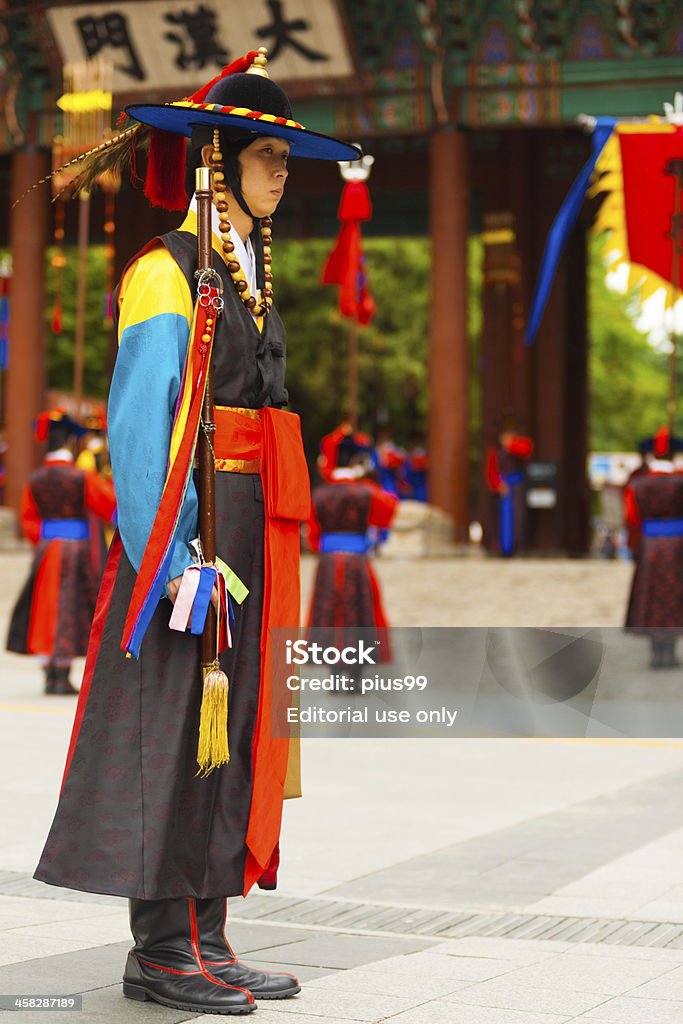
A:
(59, 455)
(243, 250)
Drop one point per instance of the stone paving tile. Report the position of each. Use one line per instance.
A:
(362, 1006)
(626, 1010)
(663, 909)
(520, 950)
(44, 911)
(94, 930)
(270, 1013)
(330, 950)
(440, 1012)
(522, 864)
(668, 986)
(385, 983)
(584, 973)
(669, 958)
(16, 948)
(459, 968)
(509, 993)
(11, 921)
(246, 936)
(588, 906)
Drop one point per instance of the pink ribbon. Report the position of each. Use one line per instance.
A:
(182, 609)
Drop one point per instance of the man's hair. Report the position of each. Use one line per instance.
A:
(59, 435)
(231, 147)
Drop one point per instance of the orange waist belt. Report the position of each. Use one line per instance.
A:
(238, 441)
(268, 441)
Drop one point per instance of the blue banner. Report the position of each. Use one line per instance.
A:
(563, 225)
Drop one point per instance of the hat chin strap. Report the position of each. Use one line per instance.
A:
(232, 176)
(231, 171)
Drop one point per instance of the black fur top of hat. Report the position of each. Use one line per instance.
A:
(252, 91)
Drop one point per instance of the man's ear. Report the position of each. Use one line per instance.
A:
(206, 152)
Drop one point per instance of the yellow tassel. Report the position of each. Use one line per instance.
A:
(213, 751)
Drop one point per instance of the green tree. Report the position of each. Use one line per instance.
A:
(394, 348)
(628, 377)
(60, 347)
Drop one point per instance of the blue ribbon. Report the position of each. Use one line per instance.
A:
(64, 529)
(563, 225)
(353, 543)
(512, 479)
(506, 524)
(506, 513)
(200, 608)
(663, 528)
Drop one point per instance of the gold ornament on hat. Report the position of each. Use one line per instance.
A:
(258, 66)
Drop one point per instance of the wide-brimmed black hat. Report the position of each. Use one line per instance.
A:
(243, 100)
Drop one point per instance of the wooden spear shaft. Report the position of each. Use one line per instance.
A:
(81, 298)
(207, 469)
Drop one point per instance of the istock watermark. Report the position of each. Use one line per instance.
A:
(458, 682)
(301, 652)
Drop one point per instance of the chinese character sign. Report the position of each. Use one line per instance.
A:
(175, 45)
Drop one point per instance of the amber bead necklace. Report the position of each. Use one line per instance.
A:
(220, 199)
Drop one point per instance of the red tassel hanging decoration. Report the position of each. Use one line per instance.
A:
(41, 426)
(238, 66)
(165, 185)
(355, 202)
(662, 442)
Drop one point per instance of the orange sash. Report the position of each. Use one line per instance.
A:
(268, 441)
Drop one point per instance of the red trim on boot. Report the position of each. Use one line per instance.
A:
(235, 958)
(194, 938)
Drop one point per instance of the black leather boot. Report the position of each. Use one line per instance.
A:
(656, 661)
(164, 965)
(669, 659)
(49, 679)
(219, 958)
(61, 683)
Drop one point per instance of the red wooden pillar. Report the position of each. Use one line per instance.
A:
(25, 372)
(449, 344)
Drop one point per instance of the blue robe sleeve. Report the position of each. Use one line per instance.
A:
(154, 327)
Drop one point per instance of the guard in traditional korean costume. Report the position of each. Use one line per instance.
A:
(346, 591)
(653, 507)
(505, 474)
(134, 818)
(60, 503)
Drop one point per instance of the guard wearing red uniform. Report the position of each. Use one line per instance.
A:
(653, 505)
(505, 469)
(346, 592)
(54, 611)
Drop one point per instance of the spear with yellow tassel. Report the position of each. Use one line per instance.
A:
(213, 722)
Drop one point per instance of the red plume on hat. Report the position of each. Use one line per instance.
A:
(165, 184)
(662, 441)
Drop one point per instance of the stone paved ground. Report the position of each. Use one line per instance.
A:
(509, 881)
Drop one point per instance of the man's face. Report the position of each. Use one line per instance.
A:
(263, 167)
